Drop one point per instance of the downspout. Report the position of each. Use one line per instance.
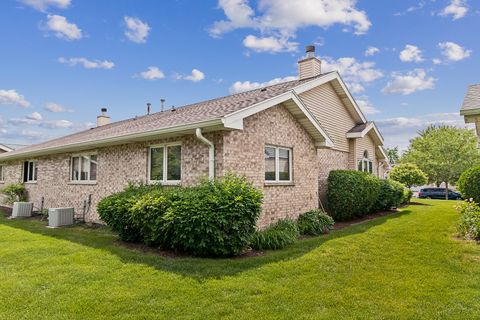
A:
(211, 153)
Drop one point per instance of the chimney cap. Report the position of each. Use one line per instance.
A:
(310, 48)
(103, 109)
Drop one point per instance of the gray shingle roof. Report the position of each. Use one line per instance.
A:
(190, 114)
(472, 99)
(359, 127)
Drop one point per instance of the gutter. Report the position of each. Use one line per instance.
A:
(211, 152)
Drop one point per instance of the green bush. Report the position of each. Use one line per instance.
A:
(469, 184)
(314, 222)
(14, 192)
(469, 225)
(351, 193)
(407, 196)
(215, 218)
(114, 210)
(276, 236)
(390, 196)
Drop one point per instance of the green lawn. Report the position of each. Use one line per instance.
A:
(403, 266)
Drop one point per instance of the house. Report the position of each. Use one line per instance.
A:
(285, 138)
(471, 107)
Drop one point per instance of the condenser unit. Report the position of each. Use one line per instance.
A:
(58, 217)
(22, 209)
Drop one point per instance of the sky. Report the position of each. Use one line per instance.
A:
(408, 63)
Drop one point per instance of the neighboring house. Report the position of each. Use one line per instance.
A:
(285, 138)
(471, 107)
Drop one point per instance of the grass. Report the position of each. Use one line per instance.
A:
(403, 266)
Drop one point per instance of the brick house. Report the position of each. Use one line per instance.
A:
(285, 138)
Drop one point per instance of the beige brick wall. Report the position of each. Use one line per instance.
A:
(244, 153)
(329, 160)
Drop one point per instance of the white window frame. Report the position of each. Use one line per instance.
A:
(365, 162)
(2, 173)
(35, 171)
(79, 156)
(277, 165)
(165, 163)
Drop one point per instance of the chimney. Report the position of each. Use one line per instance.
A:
(103, 119)
(310, 66)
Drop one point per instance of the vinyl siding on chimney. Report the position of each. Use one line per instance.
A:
(310, 67)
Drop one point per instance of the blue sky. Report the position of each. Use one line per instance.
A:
(408, 63)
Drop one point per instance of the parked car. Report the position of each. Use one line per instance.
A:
(438, 193)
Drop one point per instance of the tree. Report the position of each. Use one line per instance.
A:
(408, 174)
(443, 153)
(393, 156)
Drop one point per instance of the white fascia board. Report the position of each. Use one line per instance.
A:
(327, 78)
(470, 112)
(235, 119)
(5, 148)
(110, 141)
(361, 134)
(383, 153)
(377, 132)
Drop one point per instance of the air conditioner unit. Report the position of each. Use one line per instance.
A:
(22, 209)
(58, 217)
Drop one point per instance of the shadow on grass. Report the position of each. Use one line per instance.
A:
(198, 268)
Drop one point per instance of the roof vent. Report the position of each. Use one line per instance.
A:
(149, 108)
(263, 89)
(173, 109)
(162, 104)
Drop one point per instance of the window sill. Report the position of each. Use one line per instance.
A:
(87, 183)
(167, 183)
(30, 182)
(279, 184)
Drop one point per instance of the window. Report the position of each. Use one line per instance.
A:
(29, 171)
(165, 163)
(2, 178)
(84, 168)
(365, 164)
(278, 164)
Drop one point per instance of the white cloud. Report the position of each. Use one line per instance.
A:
(63, 29)
(195, 76)
(269, 44)
(55, 107)
(281, 20)
(152, 73)
(137, 30)
(239, 86)
(411, 53)
(35, 116)
(42, 5)
(371, 51)
(453, 51)
(88, 64)
(355, 73)
(13, 97)
(409, 82)
(366, 106)
(36, 119)
(436, 61)
(457, 9)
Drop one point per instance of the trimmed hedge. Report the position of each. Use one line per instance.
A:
(469, 184)
(215, 218)
(314, 223)
(351, 193)
(469, 225)
(276, 236)
(391, 195)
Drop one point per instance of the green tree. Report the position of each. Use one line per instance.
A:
(408, 174)
(443, 153)
(393, 155)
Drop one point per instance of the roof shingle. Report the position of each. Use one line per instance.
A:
(472, 99)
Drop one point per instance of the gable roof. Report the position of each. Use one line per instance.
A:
(5, 148)
(360, 130)
(471, 103)
(225, 112)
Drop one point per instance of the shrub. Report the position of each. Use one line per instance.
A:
(407, 196)
(114, 210)
(351, 193)
(390, 195)
(469, 225)
(469, 184)
(14, 192)
(408, 174)
(216, 218)
(314, 222)
(276, 236)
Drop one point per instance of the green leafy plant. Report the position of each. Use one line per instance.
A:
(469, 184)
(391, 195)
(408, 174)
(351, 193)
(407, 196)
(469, 225)
(276, 236)
(314, 222)
(14, 192)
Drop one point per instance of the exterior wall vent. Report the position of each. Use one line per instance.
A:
(58, 217)
(22, 209)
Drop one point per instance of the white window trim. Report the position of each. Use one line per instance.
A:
(365, 165)
(165, 160)
(79, 155)
(277, 165)
(35, 171)
(2, 173)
